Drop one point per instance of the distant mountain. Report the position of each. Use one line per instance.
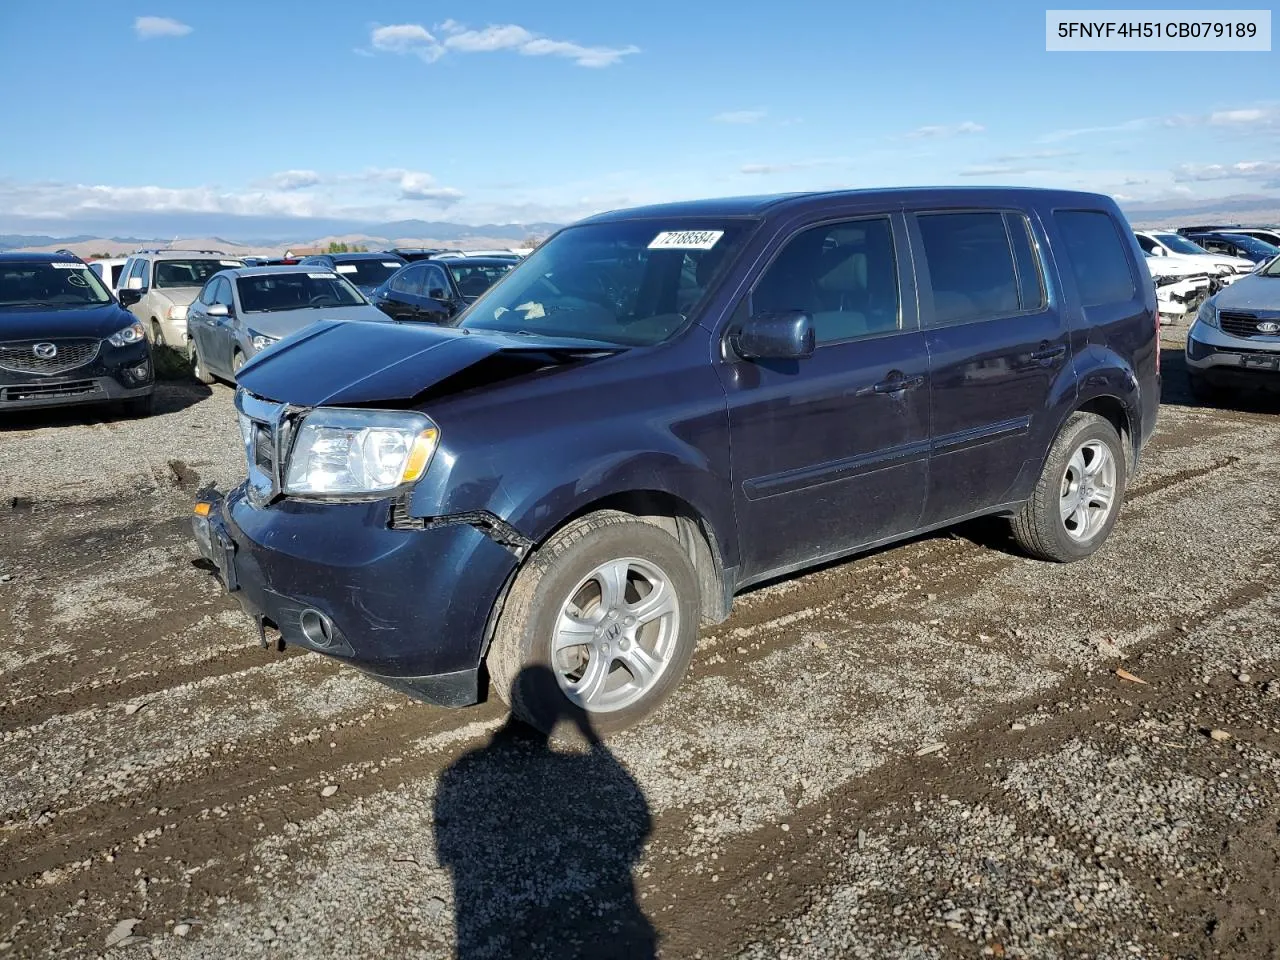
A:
(1242, 208)
(449, 232)
(14, 241)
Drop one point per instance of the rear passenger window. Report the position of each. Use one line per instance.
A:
(1097, 256)
(842, 274)
(971, 268)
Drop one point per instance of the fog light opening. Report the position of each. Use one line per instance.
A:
(316, 627)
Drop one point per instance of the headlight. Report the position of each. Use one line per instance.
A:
(1208, 314)
(261, 341)
(176, 311)
(133, 333)
(359, 451)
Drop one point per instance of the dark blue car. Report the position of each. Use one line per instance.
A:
(661, 407)
(364, 271)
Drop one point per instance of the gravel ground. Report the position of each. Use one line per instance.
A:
(925, 752)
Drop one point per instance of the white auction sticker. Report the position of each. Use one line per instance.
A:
(322, 276)
(391, 263)
(345, 268)
(67, 266)
(231, 263)
(686, 240)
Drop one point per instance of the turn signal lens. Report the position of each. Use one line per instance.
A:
(202, 509)
(424, 444)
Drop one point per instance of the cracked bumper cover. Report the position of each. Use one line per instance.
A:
(409, 607)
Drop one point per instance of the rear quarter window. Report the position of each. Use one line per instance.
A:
(1096, 256)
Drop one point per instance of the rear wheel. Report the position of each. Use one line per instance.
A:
(198, 369)
(609, 608)
(1078, 497)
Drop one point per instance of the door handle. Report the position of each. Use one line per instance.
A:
(896, 383)
(1047, 352)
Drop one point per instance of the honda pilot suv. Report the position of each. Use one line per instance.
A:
(661, 407)
(159, 285)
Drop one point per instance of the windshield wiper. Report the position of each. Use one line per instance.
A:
(38, 303)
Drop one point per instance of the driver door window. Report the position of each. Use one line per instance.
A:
(434, 283)
(409, 282)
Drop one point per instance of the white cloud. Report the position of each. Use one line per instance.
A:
(1036, 155)
(413, 38)
(1245, 170)
(294, 179)
(150, 28)
(1226, 117)
(1243, 120)
(411, 184)
(1001, 170)
(406, 38)
(938, 131)
(765, 169)
(739, 116)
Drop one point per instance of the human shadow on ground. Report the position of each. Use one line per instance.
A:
(540, 838)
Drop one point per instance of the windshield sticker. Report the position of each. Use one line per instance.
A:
(76, 280)
(231, 263)
(686, 240)
(392, 264)
(67, 266)
(322, 276)
(345, 268)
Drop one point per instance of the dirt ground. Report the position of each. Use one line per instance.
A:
(925, 752)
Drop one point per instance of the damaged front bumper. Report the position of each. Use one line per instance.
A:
(409, 607)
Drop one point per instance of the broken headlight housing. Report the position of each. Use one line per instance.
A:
(339, 452)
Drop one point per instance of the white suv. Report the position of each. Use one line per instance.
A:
(159, 285)
(1166, 243)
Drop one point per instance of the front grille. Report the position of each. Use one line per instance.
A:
(49, 391)
(1242, 324)
(20, 356)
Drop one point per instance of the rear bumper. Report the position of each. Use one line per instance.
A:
(115, 374)
(410, 608)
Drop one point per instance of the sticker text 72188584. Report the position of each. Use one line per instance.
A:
(685, 240)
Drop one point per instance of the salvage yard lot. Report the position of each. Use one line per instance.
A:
(923, 752)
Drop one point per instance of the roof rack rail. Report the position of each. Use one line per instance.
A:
(179, 250)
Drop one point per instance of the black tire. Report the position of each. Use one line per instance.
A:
(198, 368)
(1039, 527)
(237, 361)
(139, 406)
(157, 334)
(520, 662)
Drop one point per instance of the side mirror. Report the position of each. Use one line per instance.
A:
(775, 336)
(1158, 252)
(217, 310)
(129, 296)
(134, 283)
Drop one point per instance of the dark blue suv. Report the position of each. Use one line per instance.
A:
(661, 407)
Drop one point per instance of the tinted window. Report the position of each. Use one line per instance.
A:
(274, 292)
(409, 281)
(971, 268)
(206, 294)
(1146, 243)
(367, 273)
(115, 274)
(1031, 294)
(628, 282)
(188, 273)
(474, 279)
(43, 284)
(435, 283)
(1097, 256)
(842, 274)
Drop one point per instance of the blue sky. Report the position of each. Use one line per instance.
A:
(482, 112)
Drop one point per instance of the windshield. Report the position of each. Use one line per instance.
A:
(368, 273)
(189, 273)
(1272, 269)
(1255, 246)
(269, 293)
(45, 284)
(474, 279)
(630, 282)
(1179, 244)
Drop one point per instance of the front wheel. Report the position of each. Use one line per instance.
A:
(1078, 497)
(609, 608)
(198, 369)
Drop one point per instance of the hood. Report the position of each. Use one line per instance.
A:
(179, 296)
(1254, 292)
(285, 322)
(1169, 267)
(1216, 259)
(337, 364)
(37, 323)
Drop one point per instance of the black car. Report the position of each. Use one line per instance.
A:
(424, 290)
(661, 407)
(474, 275)
(410, 254)
(364, 271)
(65, 340)
(1235, 245)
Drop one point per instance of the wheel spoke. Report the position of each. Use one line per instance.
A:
(594, 677)
(660, 602)
(613, 584)
(1101, 460)
(572, 632)
(1080, 517)
(1101, 499)
(641, 664)
(1069, 505)
(1076, 466)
